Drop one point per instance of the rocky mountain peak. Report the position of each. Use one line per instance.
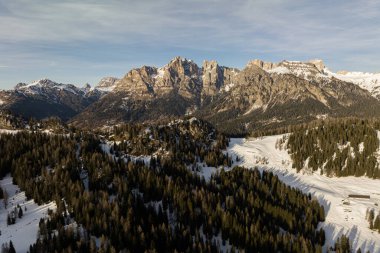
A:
(319, 64)
(183, 66)
(262, 64)
(212, 77)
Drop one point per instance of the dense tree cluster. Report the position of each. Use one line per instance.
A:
(160, 207)
(190, 141)
(338, 148)
(8, 248)
(343, 245)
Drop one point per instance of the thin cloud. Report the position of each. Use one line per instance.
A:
(88, 33)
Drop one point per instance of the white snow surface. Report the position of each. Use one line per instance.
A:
(8, 131)
(229, 86)
(24, 232)
(2, 102)
(160, 73)
(340, 218)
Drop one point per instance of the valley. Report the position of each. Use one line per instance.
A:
(344, 215)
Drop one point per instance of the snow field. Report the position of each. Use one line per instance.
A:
(24, 232)
(343, 215)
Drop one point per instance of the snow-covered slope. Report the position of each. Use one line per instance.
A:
(41, 86)
(106, 84)
(348, 219)
(24, 232)
(367, 81)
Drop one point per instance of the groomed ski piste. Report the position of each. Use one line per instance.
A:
(343, 215)
(24, 232)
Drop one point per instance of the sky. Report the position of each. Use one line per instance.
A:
(80, 42)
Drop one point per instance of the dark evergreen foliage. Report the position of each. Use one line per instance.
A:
(160, 207)
(339, 148)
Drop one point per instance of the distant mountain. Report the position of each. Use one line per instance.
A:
(45, 98)
(262, 95)
(367, 81)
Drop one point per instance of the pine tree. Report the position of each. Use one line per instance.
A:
(11, 248)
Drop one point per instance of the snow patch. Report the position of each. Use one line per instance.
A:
(229, 86)
(160, 73)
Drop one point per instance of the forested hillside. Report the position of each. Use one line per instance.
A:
(190, 141)
(341, 147)
(124, 204)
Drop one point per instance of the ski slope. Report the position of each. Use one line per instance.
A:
(348, 219)
(24, 232)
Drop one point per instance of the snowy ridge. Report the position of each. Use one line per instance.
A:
(343, 215)
(307, 70)
(316, 70)
(37, 87)
(367, 81)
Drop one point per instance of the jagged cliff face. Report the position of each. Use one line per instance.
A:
(263, 94)
(180, 76)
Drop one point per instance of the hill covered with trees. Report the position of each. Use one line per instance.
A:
(341, 147)
(162, 206)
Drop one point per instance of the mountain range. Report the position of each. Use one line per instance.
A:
(262, 95)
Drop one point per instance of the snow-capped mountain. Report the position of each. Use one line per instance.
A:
(46, 87)
(45, 98)
(316, 70)
(106, 84)
(311, 70)
(367, 81)
(268, 94)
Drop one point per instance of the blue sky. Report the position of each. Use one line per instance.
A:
(82, 41)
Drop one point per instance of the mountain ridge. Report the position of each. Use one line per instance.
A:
(261, 95)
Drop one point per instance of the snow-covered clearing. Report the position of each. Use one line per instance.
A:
(348, 218)
(106, 147)
(8, 131)
(24, 231)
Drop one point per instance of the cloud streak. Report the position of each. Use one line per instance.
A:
(122, 34)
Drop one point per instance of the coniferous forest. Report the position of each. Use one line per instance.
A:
(340, 147)
(124, 204)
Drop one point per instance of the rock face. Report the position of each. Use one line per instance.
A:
(212, 78)
(262, 95)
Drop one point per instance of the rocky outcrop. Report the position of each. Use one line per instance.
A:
(262, 64)
(212, 78)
